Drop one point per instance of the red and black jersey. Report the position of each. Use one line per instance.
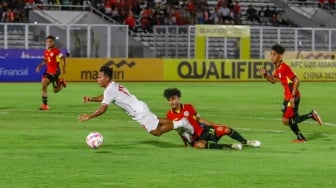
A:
(186, 111)
(52, 57)
(285, 74)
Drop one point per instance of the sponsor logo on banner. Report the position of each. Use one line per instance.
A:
(215, 70)
(314, 70)
(118, 73)
(85, 70)
(19, 70)
(222, 31)
(24, 54)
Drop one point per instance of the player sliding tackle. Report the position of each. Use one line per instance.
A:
(120, 96)
(206, 134)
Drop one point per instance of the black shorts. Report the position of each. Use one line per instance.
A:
(53, 78)
(208, 134)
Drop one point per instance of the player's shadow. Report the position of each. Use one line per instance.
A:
(315, 136)
(160, 144)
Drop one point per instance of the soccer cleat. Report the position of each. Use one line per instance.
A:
(316, 117)
(62, 82)
(237, 146)
(253, 143)
(44, 107)
(299, 141)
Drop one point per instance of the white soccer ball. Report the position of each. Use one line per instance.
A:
(94, 140)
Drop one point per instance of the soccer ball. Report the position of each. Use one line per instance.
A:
(94, 140)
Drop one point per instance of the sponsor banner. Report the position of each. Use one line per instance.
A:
(244, 70)
(215, 70)
(314, 70)
(19, 70)
(86, 70)
(222, 31)
(320, 55)
(24, 54)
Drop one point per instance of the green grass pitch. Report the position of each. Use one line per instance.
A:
(48, 149)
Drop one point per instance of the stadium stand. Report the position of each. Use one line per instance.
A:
(165, 27)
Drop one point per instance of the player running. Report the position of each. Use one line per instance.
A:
(120, 96)
(206, 134)
(290, 83)
(52, 58)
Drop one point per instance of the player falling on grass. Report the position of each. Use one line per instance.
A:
(290, 83)
(52, 58)
(206, 134)
(120, 96)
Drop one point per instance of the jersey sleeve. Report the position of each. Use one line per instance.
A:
(288, 72)
(58, 53)
(109, 96)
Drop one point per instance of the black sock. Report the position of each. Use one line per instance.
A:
(296, 131)
(45, 100)
(298, 119)
(235, 135)
(218, 146)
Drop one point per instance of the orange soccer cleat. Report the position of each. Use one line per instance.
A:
(316, 117)
(299, 141)
(44, 107)
(62, 82)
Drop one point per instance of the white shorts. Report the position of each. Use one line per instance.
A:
(146, 118)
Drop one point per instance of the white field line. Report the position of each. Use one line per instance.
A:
(236, 117)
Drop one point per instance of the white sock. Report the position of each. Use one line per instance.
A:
(185, 124)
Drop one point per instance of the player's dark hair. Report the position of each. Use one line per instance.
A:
(278, 49)
(170, 92)
(50, 37)
(107, 71)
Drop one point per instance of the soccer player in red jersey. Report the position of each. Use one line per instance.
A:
(290, 83)
(206, 134)
(52, 58)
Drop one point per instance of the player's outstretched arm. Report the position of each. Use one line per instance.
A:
(101, 110)
(64, 64)
(39, 66)
(205, 122)
(93, 99)
(267, 76)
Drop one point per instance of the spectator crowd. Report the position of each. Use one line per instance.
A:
(143, 15)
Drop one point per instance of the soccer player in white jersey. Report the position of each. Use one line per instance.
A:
(120, 96)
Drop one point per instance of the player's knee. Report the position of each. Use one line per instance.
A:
(155, 133)
(200, 145)
(285, 121)
(222, 130)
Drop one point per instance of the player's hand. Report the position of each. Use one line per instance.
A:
(84, 117)
(86, 99)
(291, 102)
(262, 71)
(63, 71)
(38, 68)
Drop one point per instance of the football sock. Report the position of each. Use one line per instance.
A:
(235, 135)
(218, 146)
(298, 119)
(297, 132)
(45, 100)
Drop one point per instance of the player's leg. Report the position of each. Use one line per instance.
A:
(45, 83)
(225, 130)
(56, 82)
(164, 125)
(288, 118)
(202, 144)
